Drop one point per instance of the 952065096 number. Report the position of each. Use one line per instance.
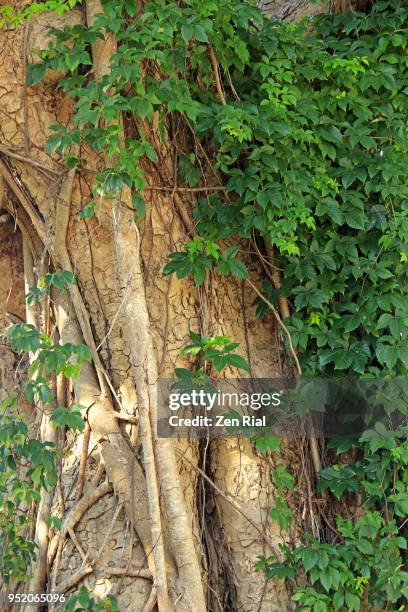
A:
(23, 598)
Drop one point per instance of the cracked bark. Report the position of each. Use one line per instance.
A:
(159, 457)
(163, 312)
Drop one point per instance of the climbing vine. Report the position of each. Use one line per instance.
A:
(9, 16)
(295, 139)
(28, 464)
(312, 155)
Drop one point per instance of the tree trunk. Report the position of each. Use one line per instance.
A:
(147, 525)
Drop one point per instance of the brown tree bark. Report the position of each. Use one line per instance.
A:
(156, 529)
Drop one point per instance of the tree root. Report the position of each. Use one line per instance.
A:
(83, 460)
(75, 515)
(73, 580)
(151, 602)
(133, 572)
(158, 454)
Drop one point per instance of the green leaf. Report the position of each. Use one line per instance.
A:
(365, 546)
(343, 360)
(331, 208)
(53, 143)
(352, 602)
(130, 6)
(54, 521)
(352, 322)
(68, 417)
(238, 362)
(200, 34)
(231, 252)
(338, 599)
(220, 362)
(282, 479)
(238, 268)
(281, 513)
(35, 73)
(60, 279)
(309, 558)
(355, 219)
(72, 61)
(332, 134)
(88, 211)
(326, 580)
(143, 108)
(36, 475)
(263, 444)
(384, 320)
(187, 32)
(387, 354)
(323, 560)
(199, 275)
(188, 174)
(139, 206)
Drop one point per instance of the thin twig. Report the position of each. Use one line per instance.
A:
(188, 189)
(281, 323)
(234, 91)
(314, 448)
(106, 336)
(216, 72)
(29, 160)
(184, 213)
(329, 524)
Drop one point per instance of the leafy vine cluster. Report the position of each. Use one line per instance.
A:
(296, 142)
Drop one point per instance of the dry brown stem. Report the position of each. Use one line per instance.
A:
(216, 72)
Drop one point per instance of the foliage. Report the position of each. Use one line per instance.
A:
(11, 17)
(27, 464)
(59, 279)
(84, 602)
(217, 350)
(213, 352)
(200, 256)
(313, 154)
(50, 357)
(69, 417)
(370, 554)
(368, 563)
(311, 146)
